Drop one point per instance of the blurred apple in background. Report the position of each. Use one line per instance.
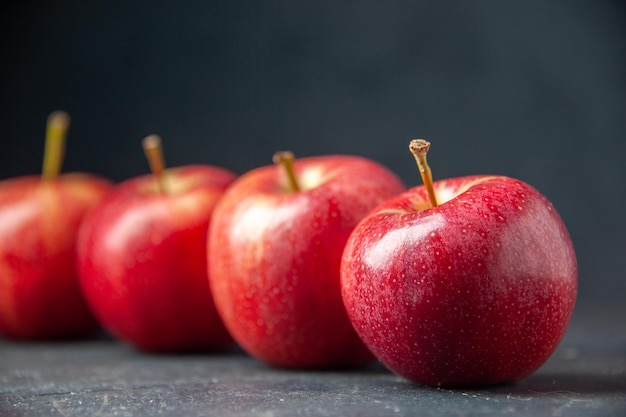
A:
(40, 297)
(142, 258)
(274, 252)
(469, 281)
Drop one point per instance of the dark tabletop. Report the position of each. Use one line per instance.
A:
(586, 376)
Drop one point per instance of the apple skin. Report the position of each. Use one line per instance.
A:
(142, 261)
(476, 291)
(40, 297)
(274, 258)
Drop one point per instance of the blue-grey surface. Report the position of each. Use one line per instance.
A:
(585, 377)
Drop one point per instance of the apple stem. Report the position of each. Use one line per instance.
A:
(419, 148)
(154, 153)
(285, 159)
(56, 131)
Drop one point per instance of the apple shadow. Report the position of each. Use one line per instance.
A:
(233, 351)
(547, 384)
(580, 383)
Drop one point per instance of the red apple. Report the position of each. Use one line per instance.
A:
(40, 297)
(142, 258)
(274, 253)
(476, 290)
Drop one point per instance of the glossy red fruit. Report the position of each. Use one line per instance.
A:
(476, 291)
(274, 256)
(142, 261)
(40, 297)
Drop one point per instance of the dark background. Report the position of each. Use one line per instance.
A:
(534, 90)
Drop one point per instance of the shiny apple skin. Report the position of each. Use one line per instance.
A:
(275, 255)
(474, 292)
(142, 262)
(40, 297)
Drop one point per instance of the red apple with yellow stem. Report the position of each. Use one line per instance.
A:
(40, 297)
(464, 282)
(274, 252)
(142, 257)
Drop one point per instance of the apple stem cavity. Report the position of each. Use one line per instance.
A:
(285, 159)
(56, 131)
(154, 153)
(419, 148)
